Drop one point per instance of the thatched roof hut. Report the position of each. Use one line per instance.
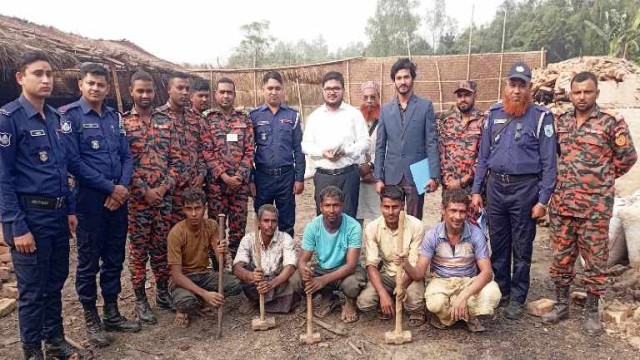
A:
(66, 52)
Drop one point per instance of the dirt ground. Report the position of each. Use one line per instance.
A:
(522, 339)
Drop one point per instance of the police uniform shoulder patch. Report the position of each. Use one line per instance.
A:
(548, 130)
(5, 139)
(65, 126)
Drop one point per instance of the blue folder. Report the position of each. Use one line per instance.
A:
(421, 174)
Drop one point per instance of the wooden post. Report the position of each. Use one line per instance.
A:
(116, 85)
(348, 85)
(211, 90)
(504, 27)
(299, 99)
(381, 82)
(439, 85)
(255, 88)
(469, 52)
(542, 58)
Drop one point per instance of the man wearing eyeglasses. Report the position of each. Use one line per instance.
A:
(335, 138)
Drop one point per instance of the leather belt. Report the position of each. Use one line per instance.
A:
(508, 178)
(275, 171)
(340, 171)
(42, 202)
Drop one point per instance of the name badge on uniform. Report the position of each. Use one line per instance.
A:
(65, 127)
(260, 123)
(5, 139)
(95, 144)
(44, 156)
(91, 126)
(499, 121)
(232, 137)
(36, 133)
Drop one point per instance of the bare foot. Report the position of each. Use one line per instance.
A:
(349, 312)
(181, 321)
(474, 325)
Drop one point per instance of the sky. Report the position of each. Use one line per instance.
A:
(200, 31)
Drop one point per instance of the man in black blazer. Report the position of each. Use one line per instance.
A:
(406, 135)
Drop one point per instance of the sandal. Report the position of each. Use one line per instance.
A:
(436, 323)
(327, 304)
(416, 319)
(383, 316)
(474, 325)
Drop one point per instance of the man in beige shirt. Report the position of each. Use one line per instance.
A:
(278, 279)
(381, 237)
(192, 283)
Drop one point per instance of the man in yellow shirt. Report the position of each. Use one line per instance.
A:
(381, 237)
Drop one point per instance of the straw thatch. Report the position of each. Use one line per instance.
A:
(66, 52)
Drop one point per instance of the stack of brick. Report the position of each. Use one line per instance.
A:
(8, 285)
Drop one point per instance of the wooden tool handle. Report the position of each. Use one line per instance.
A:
(221, 236)
(257, 250)
(309, 315)
(400, 250)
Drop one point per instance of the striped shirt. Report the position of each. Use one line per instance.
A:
(455, 261)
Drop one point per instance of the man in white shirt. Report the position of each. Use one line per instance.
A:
(335, 138)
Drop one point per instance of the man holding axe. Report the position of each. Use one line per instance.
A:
(192, 284)
(271, 273)
(458, 255)
(336, 239)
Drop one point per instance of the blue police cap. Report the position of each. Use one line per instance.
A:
(520, 70)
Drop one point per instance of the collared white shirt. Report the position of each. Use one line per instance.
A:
(327, 129)
(280, 253)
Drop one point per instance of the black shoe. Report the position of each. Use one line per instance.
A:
(163, 297)
(560, 309)
(32, 352)
(504, 301)
(514, 310)
(142, 308)
(95, 333)
(59, 348)
(592, 325)
(114, 321)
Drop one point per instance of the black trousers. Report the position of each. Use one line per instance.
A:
(348, 182)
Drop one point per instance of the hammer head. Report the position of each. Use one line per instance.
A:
(310, 339)
(260, 325)
(394, 338)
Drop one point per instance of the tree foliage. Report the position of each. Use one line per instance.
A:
(564, 28)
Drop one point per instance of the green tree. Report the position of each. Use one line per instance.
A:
(620, 31)
(439, 24)
(393, 29)
(254, 46)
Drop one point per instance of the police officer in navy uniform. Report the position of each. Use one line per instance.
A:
(279, 162)
(37, 215)
(95, 136)
(517, 164)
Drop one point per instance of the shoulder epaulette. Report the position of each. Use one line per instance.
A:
(496, 106)
(541, 108)
(65, 108)
(9, 108)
